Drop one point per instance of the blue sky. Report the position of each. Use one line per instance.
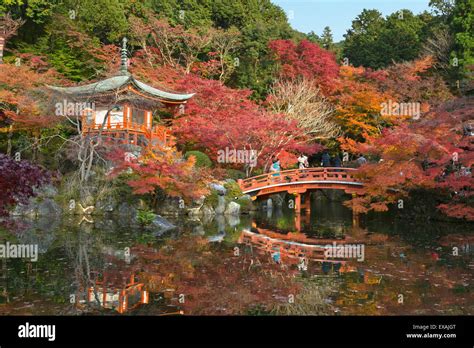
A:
(307, 15)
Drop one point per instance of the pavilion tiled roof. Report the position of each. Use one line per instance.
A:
(122, 81)
(119, 82)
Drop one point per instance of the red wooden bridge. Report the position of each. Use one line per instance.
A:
(300, 181)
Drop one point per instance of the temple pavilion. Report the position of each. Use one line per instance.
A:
(122, 107)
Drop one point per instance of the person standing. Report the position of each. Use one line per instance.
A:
(336, 161)
(326, 159)
(303, 161)
(275, 167)
(361, 160)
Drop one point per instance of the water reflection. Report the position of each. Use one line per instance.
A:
(270, 263)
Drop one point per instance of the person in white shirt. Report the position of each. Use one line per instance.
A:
(303, 161)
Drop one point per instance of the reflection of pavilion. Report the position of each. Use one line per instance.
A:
(121, 298)
(114, 287)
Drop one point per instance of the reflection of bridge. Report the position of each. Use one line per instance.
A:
(299, 181)
(288, 248)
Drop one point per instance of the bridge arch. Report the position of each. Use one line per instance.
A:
(300, 181)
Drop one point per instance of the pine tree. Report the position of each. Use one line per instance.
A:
(326, 39)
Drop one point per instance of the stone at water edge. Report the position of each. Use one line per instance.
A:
(217, 237)
(163, 224)
(233, 208)
(233, 220)
(104, 206)
(269, 203)
(220, 205)
(48, 207)
(207, 211)
(221, 190)
(126, 210)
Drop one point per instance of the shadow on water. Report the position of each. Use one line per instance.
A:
(273, 262)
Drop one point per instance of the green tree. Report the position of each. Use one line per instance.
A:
(362, 40)
(462, 24)
(326, 39)
(376, 42)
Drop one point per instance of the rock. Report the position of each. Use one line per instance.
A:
(233, 220)
(207, 211)
(48, 207)
(47, 191)
(278, 200)
(217, 238)
(126, 210)
(29, 210)
(220, 205)
(104, 206)
(40, 232)
(194, 212)
(87, 201)
(233, 208)
(221, 190)
(36, 208)
(199, 230)
(200, 201)
(269, 203)
(162, 225)
(172, 207)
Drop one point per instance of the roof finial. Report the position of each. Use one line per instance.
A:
(123, 57)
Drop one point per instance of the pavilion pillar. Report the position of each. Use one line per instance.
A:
(297, 203)
(355, 216)
(306, 202)
(2, 44)
(148, 119)
(108, 120)
(298, 222)
(125, 116)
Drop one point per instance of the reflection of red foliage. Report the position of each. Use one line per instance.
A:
(204, 274)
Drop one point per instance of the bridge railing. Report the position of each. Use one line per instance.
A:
(298, 175)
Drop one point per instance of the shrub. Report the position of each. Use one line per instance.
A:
(202, 160)
(145, 217)
(233, 190)
(211, 199)
(235, 174)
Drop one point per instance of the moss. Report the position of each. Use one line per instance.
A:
(212, 199)
(235, 174)
(246, 204)
(233, 191)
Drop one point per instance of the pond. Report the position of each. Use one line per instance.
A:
(273, 262)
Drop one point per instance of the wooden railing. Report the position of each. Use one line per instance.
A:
(286, 248)
(343, 175)
(112, 126)
(157, 132)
